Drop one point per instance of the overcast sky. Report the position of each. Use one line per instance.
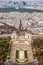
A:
(25, 0)
(22, 0)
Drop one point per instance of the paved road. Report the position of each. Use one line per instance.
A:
(10, 63)
(5, 35)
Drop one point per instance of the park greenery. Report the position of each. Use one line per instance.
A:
(5, 49)
(37, 48)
